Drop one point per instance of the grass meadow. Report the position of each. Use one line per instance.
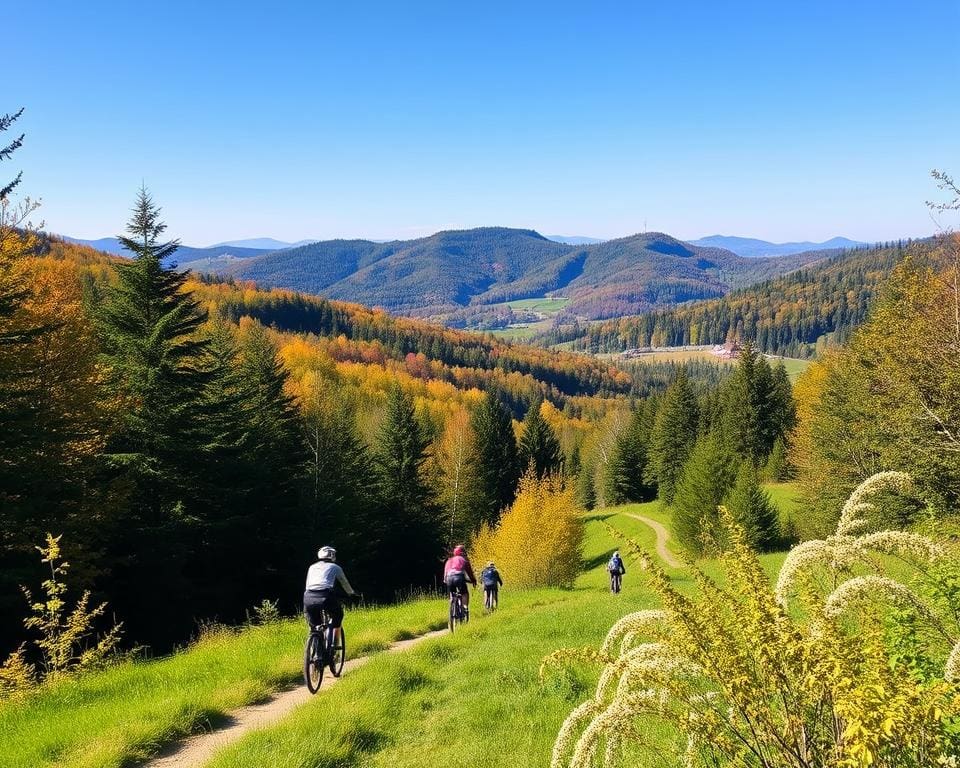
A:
(474, 697)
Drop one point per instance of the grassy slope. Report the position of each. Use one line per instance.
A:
(472, 698)
(106, 718)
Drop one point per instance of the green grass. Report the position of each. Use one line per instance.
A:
(474, 698)
(516, 332)
(547, 305)
(124, 712)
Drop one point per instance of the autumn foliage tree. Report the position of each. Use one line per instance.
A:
(538, 540)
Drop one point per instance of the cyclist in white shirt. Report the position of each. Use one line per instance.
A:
(323, 577)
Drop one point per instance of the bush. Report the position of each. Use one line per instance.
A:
(742, 682)
(537, 542)
(67, 640)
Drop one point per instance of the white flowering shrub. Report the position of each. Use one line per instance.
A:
(800, 675)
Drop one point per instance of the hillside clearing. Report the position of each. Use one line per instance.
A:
(396, 710)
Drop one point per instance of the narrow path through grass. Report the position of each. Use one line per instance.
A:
(198, 749)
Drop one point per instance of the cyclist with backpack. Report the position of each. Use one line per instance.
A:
(490, 577)
(616, 570)
(457, 573)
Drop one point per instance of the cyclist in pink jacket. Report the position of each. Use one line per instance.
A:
(457, 573)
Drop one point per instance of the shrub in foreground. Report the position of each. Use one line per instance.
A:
(741, 681)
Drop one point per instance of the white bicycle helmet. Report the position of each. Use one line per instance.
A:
(327, 553)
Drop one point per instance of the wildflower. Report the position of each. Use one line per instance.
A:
(856, 589)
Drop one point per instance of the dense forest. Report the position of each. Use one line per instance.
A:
(796, 315)
(201, 438)
(889, 399)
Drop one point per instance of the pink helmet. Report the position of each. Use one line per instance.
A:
(459, 550)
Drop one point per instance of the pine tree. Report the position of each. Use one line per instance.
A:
(586, 489)
(706, 479)
(156, 361)
(673, 435)
(410, 521)
(273, 459)
(157, 366)
(777, 469)
(498, 465)
(753, 509)
(341, 500)
(539, 447)
(628, 465)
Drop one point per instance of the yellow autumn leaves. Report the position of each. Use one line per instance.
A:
(538, 540)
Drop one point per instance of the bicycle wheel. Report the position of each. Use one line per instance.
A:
(452, 622)
(338, 653)
(313, 662)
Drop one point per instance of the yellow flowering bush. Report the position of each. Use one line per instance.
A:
(737, 680)
(538, 540)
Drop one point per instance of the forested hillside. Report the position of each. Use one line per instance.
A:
(203, 437)
(442, 275)
(794, 315)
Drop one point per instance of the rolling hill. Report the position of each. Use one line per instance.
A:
(788, 315)
(443, 274)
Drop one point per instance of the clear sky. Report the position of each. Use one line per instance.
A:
(781, 120)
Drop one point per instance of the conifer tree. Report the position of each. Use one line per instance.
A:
(156, 364)
(628, 465)
(777, 469)
(753, 509)
(410, 520)
(156, 359)
(498, 464)
(539, 446)
(273, 457)
(586, 489)
(706, 479)
(340, 497)
(673, 435)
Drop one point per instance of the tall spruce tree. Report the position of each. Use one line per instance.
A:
(539, 446)
(410, 521)
(156, 365)
(706, 479)
(497, 461)
(672, 437)
(628, 466)
(753, 509)
(273, 456)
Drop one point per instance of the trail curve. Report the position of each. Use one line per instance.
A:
(663, 536)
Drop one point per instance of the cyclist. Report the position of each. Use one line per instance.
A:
(616, 569)
(321, 593)
(490, 577)
(457, 572)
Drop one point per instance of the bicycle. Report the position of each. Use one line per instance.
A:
(616, 579)
(458, 611)
(491, 597)
(325, 648)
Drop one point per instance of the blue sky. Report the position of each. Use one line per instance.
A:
(780, 120)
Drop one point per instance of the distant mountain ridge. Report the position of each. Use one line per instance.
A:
(751, 247)
(261, 243)
(185, 253)
(464, 277)
(459, 273)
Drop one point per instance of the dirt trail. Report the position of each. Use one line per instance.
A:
(663, 536)
(199, 749)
